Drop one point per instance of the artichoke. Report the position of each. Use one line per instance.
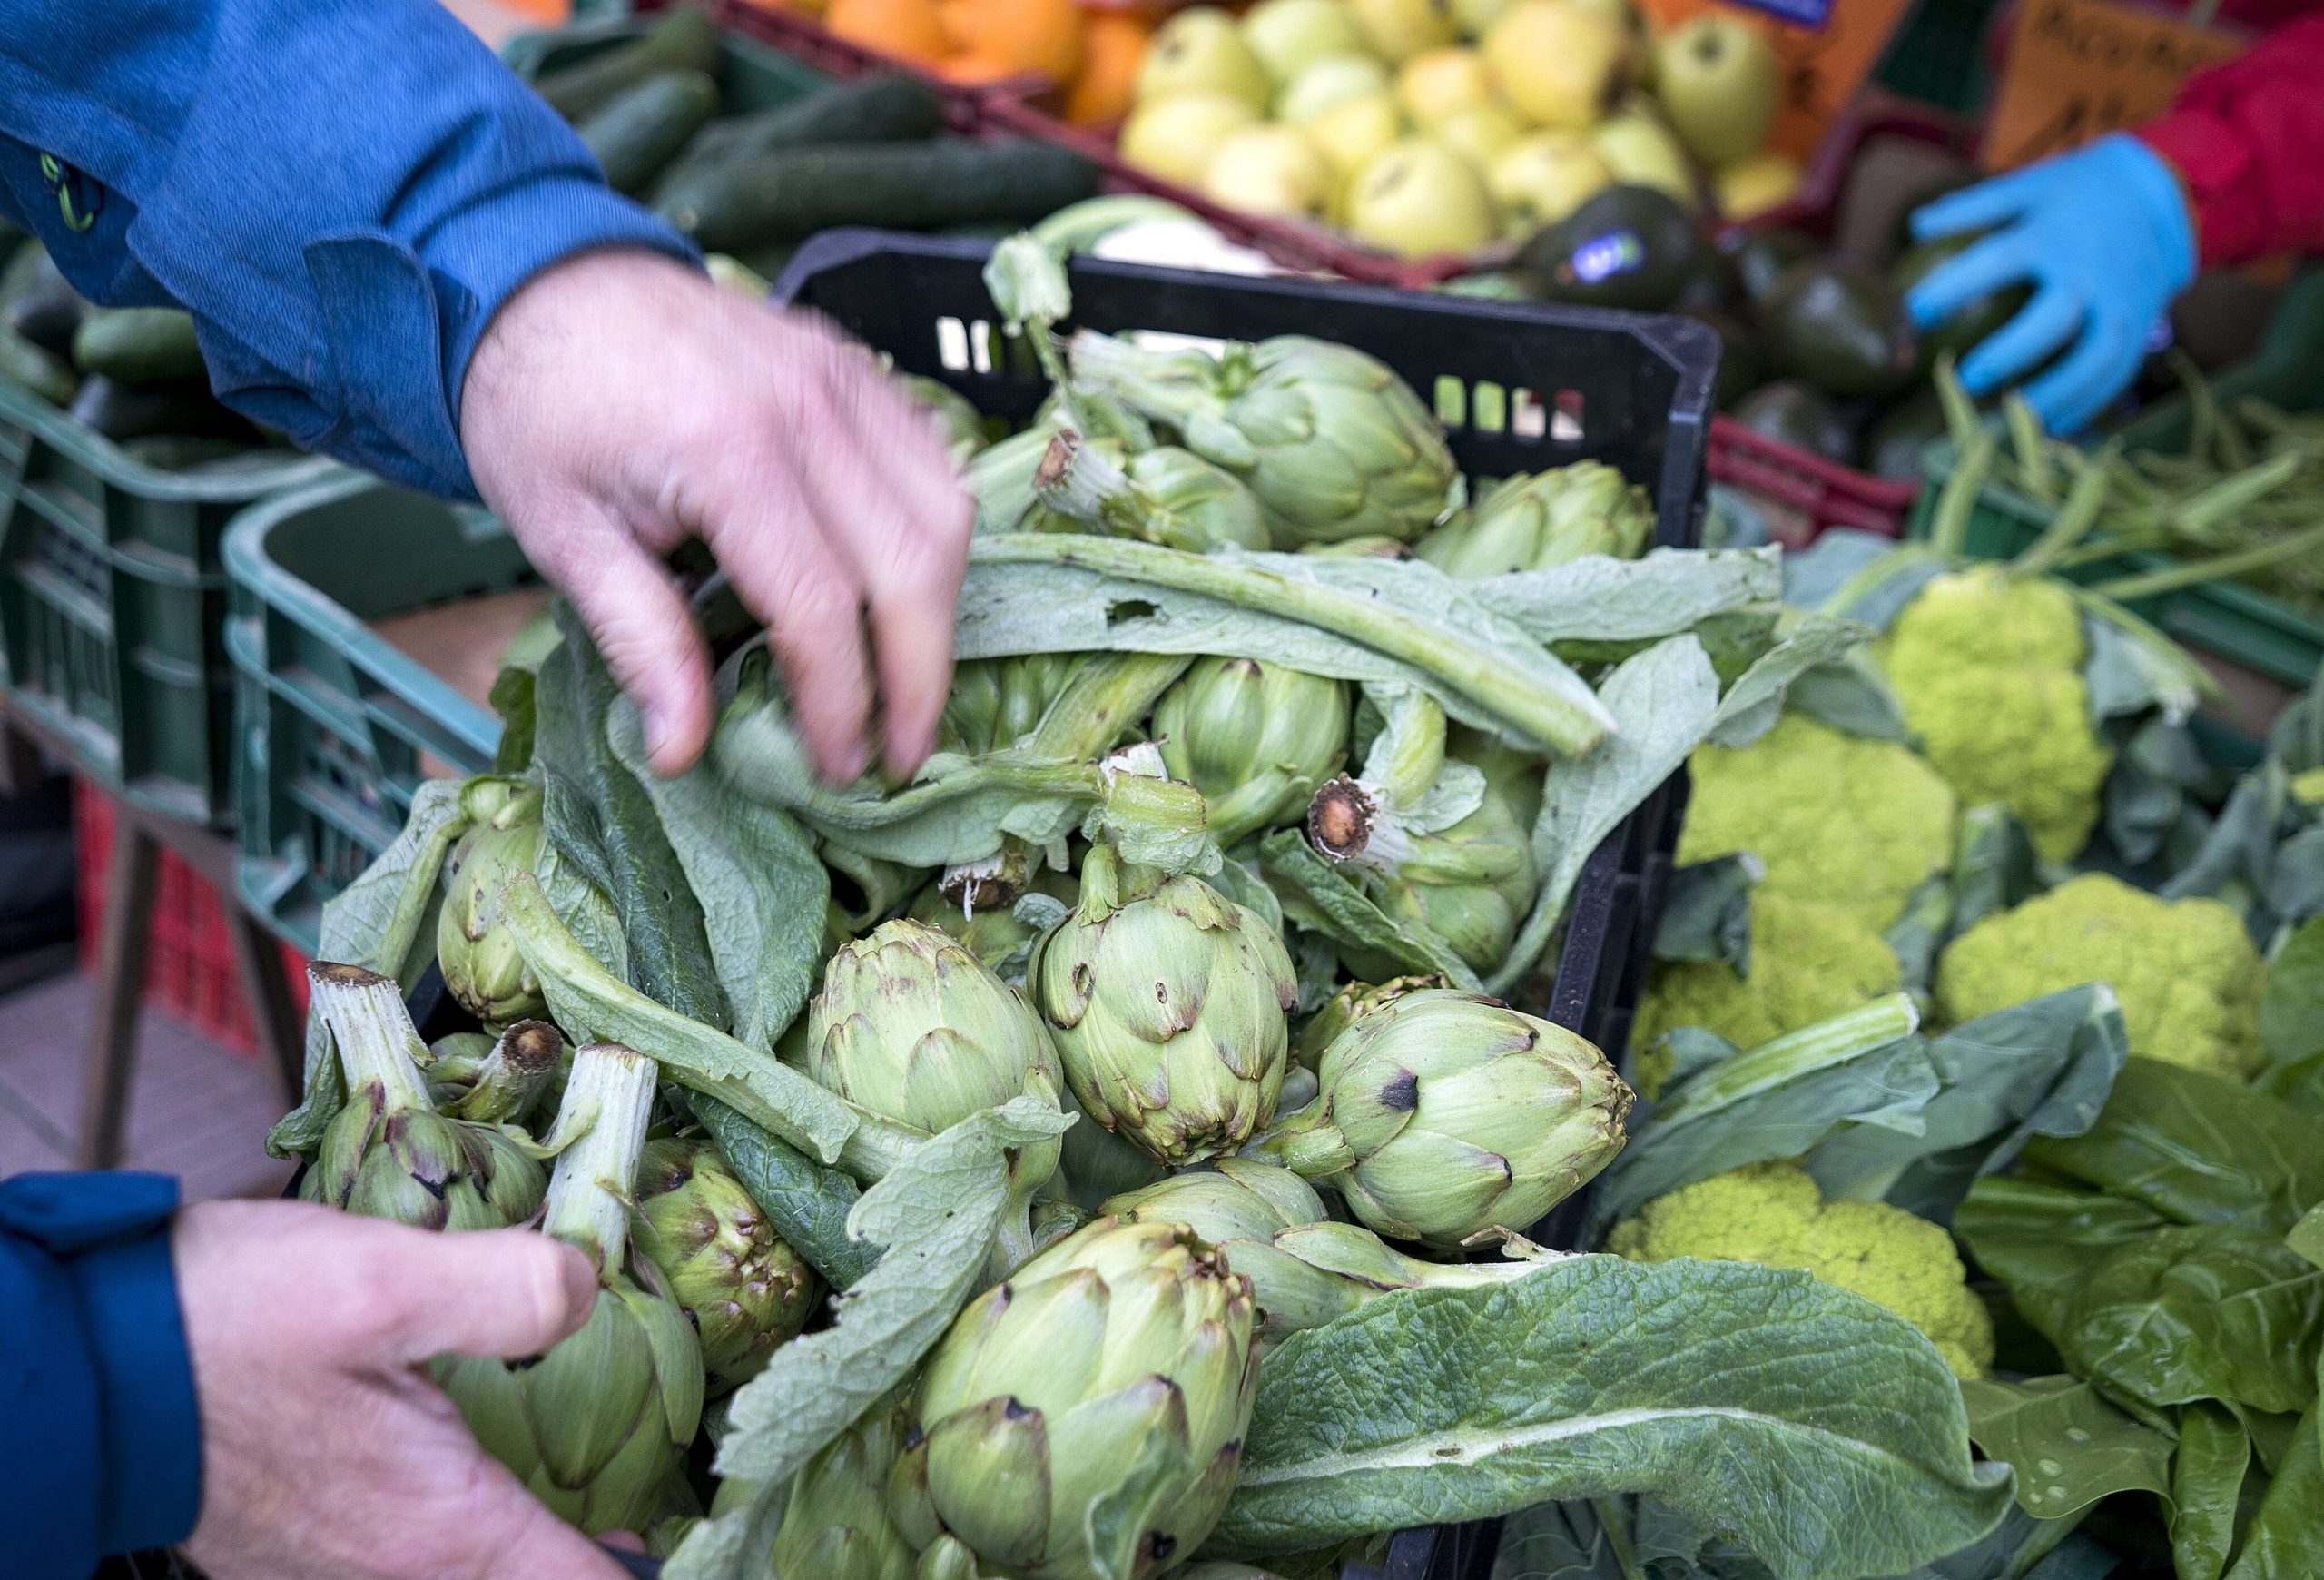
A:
(1331, 441)
(746, 1290)
(595, 1428)
(1445, 1114)
(1303, 1269)
(1342, 1008)
(1164, 495)
(1532, 522)
(1254, 738)
(1050, 1390)
(836, 1524)
(994, 702)
(482, 967)
(1167, 1000)
(507, 1083)
(1480, 918)
(911, 1026)
(387, 1154)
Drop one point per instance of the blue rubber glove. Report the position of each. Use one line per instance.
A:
(2102, 236)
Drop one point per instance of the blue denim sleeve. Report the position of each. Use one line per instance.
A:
(99, 1444)
(341, 192)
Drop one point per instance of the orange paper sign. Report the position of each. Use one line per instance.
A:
(1823, 65)
(2078, 69)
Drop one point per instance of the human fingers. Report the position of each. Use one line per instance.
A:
(2022, 344)
(1979, 270)
(2069, 396)
(1973, 208)
(507, 1292)
(758, 523)
(639, 621)
(512, 1536)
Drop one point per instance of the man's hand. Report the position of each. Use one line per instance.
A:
(620, 404)
(326, 1451)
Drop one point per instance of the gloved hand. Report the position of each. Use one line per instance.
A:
(2102, 235)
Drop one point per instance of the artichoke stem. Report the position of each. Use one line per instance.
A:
(1108, 693)
(1075, 480)
(1121, 369)
(378, 1044)
(512, 1075)
(608, 1100)
(1340, 819)
(993, 883)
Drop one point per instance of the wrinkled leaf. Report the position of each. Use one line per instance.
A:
(1342, 912)
(2069, 1447)
(805, 1202)
(1820, 1429)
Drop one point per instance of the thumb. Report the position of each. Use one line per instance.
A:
(508, 1292)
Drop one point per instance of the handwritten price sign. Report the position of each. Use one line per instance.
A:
(2078, 69)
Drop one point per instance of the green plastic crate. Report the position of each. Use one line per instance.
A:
(2225, 618)
(750, 75)
(333, 722)
(111, 600)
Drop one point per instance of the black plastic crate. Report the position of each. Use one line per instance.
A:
(1520, 388)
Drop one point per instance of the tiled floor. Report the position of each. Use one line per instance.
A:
(196, 1109)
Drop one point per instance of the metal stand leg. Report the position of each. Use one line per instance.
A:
(258, 968)
(111, 1057)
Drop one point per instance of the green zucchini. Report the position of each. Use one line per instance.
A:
(642, 130)
(138, 345)
(789, 195)
(44, 373)
(887, 108)
(47, 310)
(682, 40)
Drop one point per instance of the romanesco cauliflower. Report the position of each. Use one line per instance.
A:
(2185, 970)
(1809, 962)
(1772, 1214)
(1836, 818)
(1988, 668)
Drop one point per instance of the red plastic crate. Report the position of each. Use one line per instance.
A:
(189, 963)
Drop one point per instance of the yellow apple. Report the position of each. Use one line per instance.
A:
(1174, 138)
(1542, 177)
(1270, 170)
(1290, 36)
(1478, 134)
(1556, 62)
(1352, 132)
(1418, 199)
(1328, 82)
(1642, 152)
(1752, 186)
(1201, 51)
(1719, 83)
(1400, 29)
(1437, 82)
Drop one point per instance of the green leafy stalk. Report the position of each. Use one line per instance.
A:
(600, 1128)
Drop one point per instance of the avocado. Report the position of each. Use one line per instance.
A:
(1974, 323)
(1842, 329)
(1710, 283)
(1892, 450)
(1799, 415)
(1759, 258)
(1630, 246)
(1741, 364)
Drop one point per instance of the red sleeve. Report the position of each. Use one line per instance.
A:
(2247, 139)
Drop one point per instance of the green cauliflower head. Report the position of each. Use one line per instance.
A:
(2185, 970)
(1809, 962)
(1988, 668)
(1836, 818)
(1773, 1214)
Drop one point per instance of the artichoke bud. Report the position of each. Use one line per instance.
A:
(746, 1290)
(482, 966)
(387, 1154)
(1044, 1394)
(994, 702)
(1167, 1001)
(1342, 1007)
(1373, 546)
(510, 1082)
(1442, 1114)
(1254, 738)
(836, 1524)
(1164, 495)
(1534, 522)
(1240, 1207)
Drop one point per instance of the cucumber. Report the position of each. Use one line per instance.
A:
(120, 411)
(790, 195)
(138, 345)
(44, 373)
(682, 40)
(643, 129)
(875, 109)
(48, 310)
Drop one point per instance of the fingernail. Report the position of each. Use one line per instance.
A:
(660, 732)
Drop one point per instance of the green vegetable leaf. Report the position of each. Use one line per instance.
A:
(2042, 1068)
(806, 1203)
(1818, 1427)
(2307, 1236)
(1706, 911)
(754, 872)
(1993, 867)
(1779, 1100)
(2200, 1312)
(2044, 1240)
(2069, 1447)
(2196, 1147)
(385, 921)
(1752, 705)
(2301, 1085)
(2291, 1009)
(1598, 599)
(2288, 1532)
(1663, 702)
(513, 698)
(936, 1214)
(2206, 1483)
(1336, 907)
(1851, 697)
